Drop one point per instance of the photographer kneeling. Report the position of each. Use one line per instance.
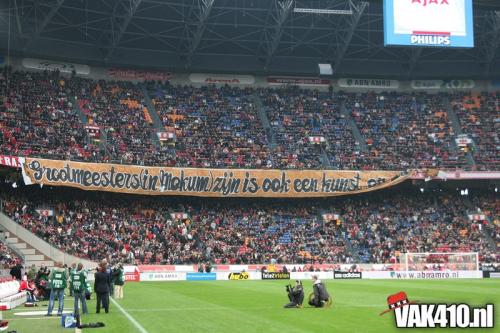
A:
(295, 295)
(320, 297)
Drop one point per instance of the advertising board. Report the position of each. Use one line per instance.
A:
(201, 276)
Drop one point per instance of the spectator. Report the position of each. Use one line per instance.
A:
(15, 271)
(376, 229)
(119, 281)
(101, 287)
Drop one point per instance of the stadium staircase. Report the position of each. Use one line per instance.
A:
(489, 239)
(350, 248)
(355, 130)
(471, 209)
(34, 250)
(354, 252)
(325, 160)
(457, 129)
(10, 242)
(84, 120)
(264, 120)
(78, 111)
(157, 123)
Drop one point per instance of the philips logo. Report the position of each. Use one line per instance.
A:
(430, 40)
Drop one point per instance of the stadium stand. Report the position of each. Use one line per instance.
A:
(7, 256)
(413, 224)
(142, 230)
(249, 154)
(118, 109)
(223, 119)
(145, 231)
(37, 118)
(480, 119)
(299, 114)
(405, 130)
(490, 206)
(400, 130)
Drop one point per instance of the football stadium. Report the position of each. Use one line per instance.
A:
(222, 166)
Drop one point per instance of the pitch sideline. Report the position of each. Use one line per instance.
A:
(129, 317)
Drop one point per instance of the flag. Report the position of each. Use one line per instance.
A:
(477, 217)
(165, 136)
(93, 131)
(45, 211)
(179, 216)
(316, 139)
(463, 140)
(328, 217)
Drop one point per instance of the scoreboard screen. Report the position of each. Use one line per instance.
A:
(430, 23)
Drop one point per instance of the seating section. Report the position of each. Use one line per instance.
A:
(373, 228)
(221, 127)
(144, 232)
(7, 256)
(214, 127)
(37, 118)
(296, 115)
(489, 204)
(480, 119)
(413, 224)
(405, 131)
(118, 109)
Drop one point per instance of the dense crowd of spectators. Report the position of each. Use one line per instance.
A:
(405, 131)
(296, 115)
(142, 230)
(213, 126)
(117, 108)
(480, 120)
(37, 117)
(489, 205)
(413, 224)
(8, 257)
(293, 123)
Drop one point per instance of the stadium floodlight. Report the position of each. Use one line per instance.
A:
(323, 11)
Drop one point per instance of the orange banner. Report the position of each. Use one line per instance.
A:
(206, 182)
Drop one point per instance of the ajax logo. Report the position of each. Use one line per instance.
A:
(430, 2)
(411, 314)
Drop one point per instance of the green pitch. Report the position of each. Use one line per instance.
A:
(257, 306)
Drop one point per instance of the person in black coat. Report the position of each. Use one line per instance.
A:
(295, 295)
(321, 295)
(15, 271)
(101, 288)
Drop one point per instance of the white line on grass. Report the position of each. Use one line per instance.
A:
(194, 309)
(342, 305)
(129, 317)
(37, 318)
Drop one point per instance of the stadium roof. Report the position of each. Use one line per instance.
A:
(243, 36)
